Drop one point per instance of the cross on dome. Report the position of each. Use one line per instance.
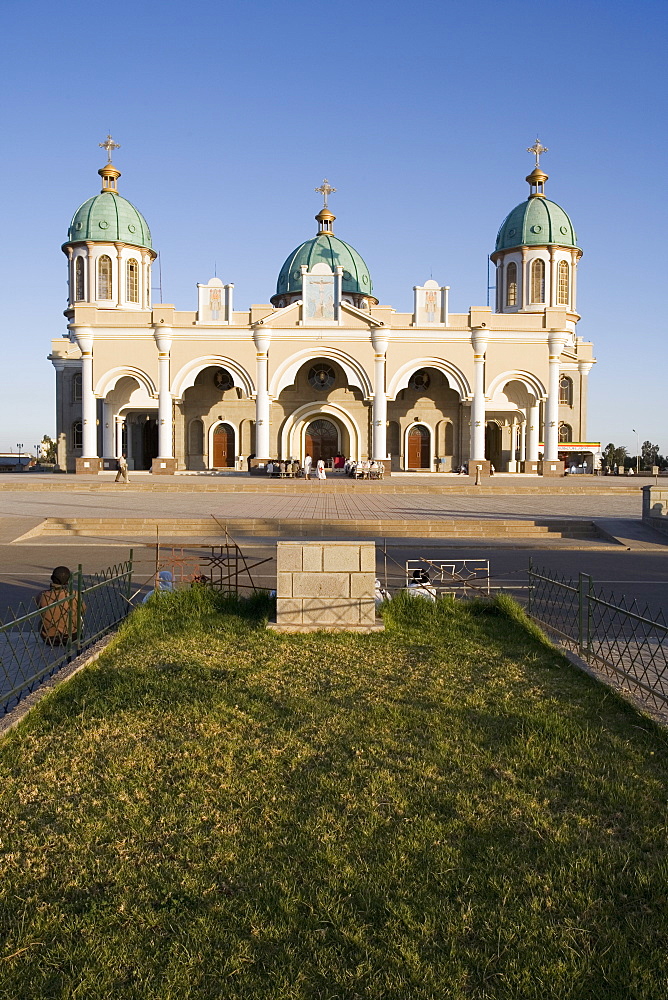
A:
(537, 149)
(325, 190)
(109, 145)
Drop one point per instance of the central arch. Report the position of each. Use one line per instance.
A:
(292, 437)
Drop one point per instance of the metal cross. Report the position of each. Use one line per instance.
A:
(325, 190)
(537, 149)
(109, 145)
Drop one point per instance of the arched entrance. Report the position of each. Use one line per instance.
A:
(322, 439)
(418, 447)
(223, 447)
(493, 445)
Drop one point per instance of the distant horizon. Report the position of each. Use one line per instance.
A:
(420, 119)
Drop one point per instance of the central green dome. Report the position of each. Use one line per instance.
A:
(325, 248)
(109, 218)
(536, 222)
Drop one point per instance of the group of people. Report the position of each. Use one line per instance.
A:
(292, 468)
(363, 470)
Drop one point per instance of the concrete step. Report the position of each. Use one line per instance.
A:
(208, 528)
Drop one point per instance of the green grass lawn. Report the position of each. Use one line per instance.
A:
(446, 809)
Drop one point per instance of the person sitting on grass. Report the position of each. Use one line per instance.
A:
(59, 611)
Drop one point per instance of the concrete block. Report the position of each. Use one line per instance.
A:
(289, 557)
(367, 612)
(341, 559)
(288, 611)
(368, 557)
(312, 557)
(330, 612)
(362, 584)
(284, 584)
(328, 585)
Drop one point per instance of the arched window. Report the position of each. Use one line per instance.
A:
(104, 277)
(77, 435)
(76, 387)
(79, 289)
(538, 281)
(563, 283)
(132, 281)
(566, 390)
(511, 285)
(565, 433)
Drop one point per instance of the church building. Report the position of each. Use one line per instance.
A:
(323, 368)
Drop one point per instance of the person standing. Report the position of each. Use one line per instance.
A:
(320, 467)
(308, 462)
(122, 474)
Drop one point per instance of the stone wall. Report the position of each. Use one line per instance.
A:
(325, 585)
(655, 507)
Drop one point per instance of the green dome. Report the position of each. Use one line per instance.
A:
(108, 218)
(536, 222)
(325, 249)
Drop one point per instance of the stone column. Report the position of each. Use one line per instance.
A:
(119, 272)
(262, 340)
(91, 283)
(574, 276)
(584, 367)
(164, 464)
(479, 340)
(512, 464)
(89, 462)
(379, 415)
(556, 343)
(120, 421)
(523, 298)
(552, 298)
(108, 437)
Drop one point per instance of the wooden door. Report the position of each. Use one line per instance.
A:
(322, 440)
(223, 447)
(418, 448)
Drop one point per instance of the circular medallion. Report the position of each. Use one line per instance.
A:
(511, 232)
(419, 381)
(536, 229)
(79, 225)
(322, 377)
(347, 276)
(296, 275)
(365, 279)
(131, 228)
(563, 230)
(103, 225)
(222, 379)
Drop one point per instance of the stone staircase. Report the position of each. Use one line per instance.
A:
(191, 529)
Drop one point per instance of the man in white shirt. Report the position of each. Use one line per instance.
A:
(308, 462)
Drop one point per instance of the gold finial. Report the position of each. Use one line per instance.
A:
(537, 149)
(325, 190)
(109, 145)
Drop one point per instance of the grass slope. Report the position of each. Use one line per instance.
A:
(443, 810)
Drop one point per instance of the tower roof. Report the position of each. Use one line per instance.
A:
(325, 248)
(535, 222)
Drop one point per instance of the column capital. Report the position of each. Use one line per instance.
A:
(584, 367)
(84, 337)
(556, 340)
(379, 341)
(479, 340)
(261, 338)
(163, 338)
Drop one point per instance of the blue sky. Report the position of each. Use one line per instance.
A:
(230, 114)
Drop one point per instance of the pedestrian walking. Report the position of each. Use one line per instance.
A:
(308, 462)
(122, 474)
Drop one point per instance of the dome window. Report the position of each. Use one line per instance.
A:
(563, 283)
(565, 433)
(104, 277)
(566, 391)
(511, 285)
(132, 280)
(538, 281)
(79, 290)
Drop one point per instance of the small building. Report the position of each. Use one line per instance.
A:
(323, 368)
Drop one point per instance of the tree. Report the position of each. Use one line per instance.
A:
(48, 449)
(650, 454)
(613, 455)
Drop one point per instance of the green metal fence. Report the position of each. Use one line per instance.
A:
(625, 641)
(94, 604)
